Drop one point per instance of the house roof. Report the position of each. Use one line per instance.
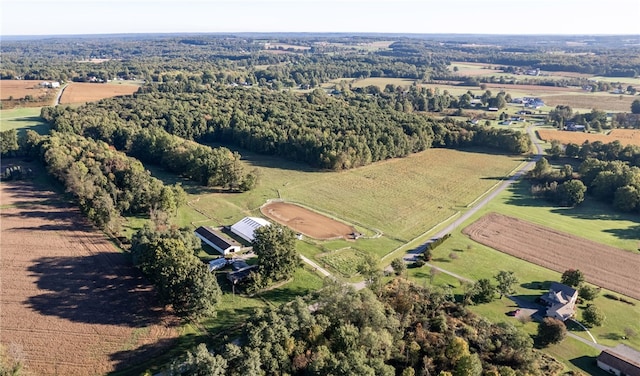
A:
(216, 238)
(241, 274)
(247, 225)
(560, 293)
(622, 358)
(563, 310)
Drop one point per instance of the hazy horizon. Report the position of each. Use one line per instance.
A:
(490, 17)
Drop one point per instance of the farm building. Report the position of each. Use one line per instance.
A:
(217, 264)
(620, 360)
(561, 301)
(217, 240)
(246, 227)
(240, 275)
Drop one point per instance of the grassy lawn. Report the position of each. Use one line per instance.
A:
(23, 119)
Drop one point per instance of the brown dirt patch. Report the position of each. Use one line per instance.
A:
(625, 136)
(81, 92)
(598, 101)
(604, 266)
(19, 89)
(305, 221)
(70, 300)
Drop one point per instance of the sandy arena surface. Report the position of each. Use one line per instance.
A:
(70, 302)
(604, 266)
(305, 221)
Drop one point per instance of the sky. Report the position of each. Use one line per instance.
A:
(56, 17)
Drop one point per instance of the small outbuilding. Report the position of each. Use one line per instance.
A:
(217, 264)
(246, 227)
(217, 240)
(620, 360)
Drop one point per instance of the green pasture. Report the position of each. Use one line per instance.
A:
(380, 82)
(592, 220)
(23, 119)
(634, 81)
(402, 198)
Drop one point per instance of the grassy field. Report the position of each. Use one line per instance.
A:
(23, 119)
(370, 197)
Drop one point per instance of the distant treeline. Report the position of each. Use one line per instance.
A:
(324, 131)
(242, 58)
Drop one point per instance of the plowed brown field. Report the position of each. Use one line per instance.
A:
(604, 266)
(70, 301)
(81, 92)
(625, 136)
(305, 221)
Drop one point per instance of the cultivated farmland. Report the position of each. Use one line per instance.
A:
(81, 92)
(625, 136)
(602, 265)
(71, 303)
(13, 91)
(305, 221)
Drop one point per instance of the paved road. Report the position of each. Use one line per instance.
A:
(491, 195)
(411, 254)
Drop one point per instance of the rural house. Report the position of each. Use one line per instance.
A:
(217, 240)
(246, 227)
(561, 301)
(620, 360)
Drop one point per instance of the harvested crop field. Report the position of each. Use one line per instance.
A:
(16, 90)
(598, 101)
(604, 266)
(81, 92)
(625, 136)
(305, 221)
(71, 303)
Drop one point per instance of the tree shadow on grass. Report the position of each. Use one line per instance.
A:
(589, 365)
(102, 288)
(137, 361)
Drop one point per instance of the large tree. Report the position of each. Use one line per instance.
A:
(506, 280)
(277, 257)
(593, 316)
(551, 331)
(635, 107)
(168, 259)
(572, 277)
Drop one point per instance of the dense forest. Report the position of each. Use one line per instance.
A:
(332, 132)
(403, 330)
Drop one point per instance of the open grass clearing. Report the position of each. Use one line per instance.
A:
(23, 119)
(634, 81)
(401, 197)
(344, 261)
(473, 69)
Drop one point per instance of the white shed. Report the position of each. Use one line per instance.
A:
(246, 227)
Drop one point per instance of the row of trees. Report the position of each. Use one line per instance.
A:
(206, 165)
(407, 330)
(106, 183)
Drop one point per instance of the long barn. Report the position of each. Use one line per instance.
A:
(217, 240)
(246, 227)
